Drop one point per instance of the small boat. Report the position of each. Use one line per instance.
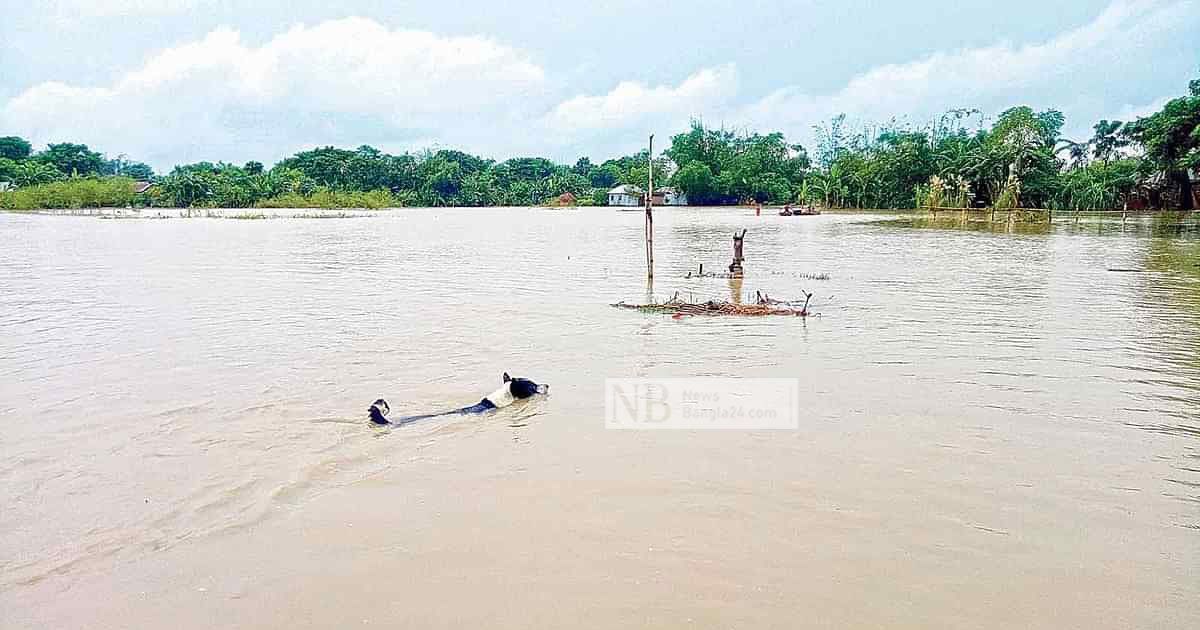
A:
(802, 211)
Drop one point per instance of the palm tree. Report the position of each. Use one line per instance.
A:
(1077, 151)
(1108, 139)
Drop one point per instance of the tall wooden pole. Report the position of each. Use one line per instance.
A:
(650, 214)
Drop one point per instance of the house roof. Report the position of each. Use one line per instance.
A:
(141, 187)
(625, 189)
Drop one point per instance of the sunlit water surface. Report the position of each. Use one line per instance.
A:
(996, 429)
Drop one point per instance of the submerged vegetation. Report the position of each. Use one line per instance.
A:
(1020, 160)
(327, 198)
(77, 192)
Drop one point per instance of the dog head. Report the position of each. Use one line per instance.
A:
(378, 411)
(522, 388)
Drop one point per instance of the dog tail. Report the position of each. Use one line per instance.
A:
(379, 411)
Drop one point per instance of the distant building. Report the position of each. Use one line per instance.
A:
(625, 195)
(141, 187)
(670, 197)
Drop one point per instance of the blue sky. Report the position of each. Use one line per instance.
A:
(171, 81)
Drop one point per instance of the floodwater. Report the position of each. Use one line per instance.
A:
(996, 430)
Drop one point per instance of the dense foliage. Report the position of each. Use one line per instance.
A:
(1171, 138)
(79, 192)
(723, 167)
(1018, 160)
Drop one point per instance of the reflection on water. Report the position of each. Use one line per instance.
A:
(163, 382)
(735, 290)
(1162, 224)
(973, 224)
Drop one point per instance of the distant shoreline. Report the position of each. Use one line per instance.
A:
(206, 213)
(356, 213)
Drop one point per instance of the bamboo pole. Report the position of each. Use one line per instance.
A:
(650, 213)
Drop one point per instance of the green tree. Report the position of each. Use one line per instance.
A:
(327, 166)
(1171, 140)
(583, 166)
(831, 140)
(603, 178)
(1077, 151)
(73, 159)
(696, 180)
(719, 166)
(186, 187)
(7, 169)
(771, 187)
(480, 189)
(133, 170)
(441, 179)
(1098, 185)
(140, 170)
(28, 172)
(14, 148)
(1108, 139)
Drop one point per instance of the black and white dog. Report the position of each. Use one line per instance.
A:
(512, 390)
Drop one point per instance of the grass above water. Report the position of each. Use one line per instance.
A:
(118, 192)
(333, 199)
(74, 193)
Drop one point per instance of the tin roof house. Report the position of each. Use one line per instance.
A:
(668, 196)
(625, 195)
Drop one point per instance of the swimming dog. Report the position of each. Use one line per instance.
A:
(512, 390)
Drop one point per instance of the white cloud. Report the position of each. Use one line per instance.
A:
(342, 81)
(353, 81)
(1068, 71)
(617, 122)
(1132, 112)
(631, 102)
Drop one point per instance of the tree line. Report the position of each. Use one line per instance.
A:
(960, 160)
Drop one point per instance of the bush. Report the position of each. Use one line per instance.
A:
(76, 192)
(325, 198)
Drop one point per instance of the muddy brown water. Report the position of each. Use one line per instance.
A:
(996, 432)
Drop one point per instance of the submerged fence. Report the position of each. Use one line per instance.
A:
(1032, 215)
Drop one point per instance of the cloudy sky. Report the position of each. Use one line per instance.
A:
(171, 81)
